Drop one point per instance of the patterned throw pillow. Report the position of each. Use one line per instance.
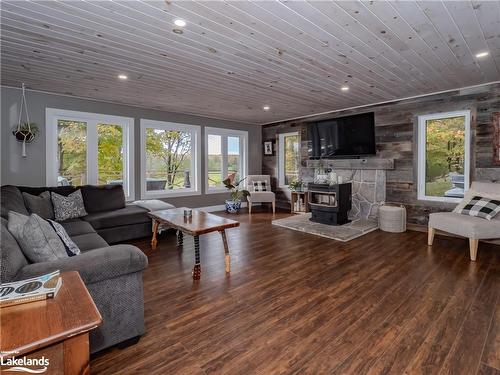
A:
(36, 237)
(70, 246)
(69, 207)
(259, 186)
(482, 207)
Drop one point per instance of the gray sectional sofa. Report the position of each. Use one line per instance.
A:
(112, 274)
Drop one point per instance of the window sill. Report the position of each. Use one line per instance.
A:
(217, 191)
(440, 199)
(169, 194)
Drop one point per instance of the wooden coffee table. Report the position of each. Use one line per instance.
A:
(56, 328)
(199, 223)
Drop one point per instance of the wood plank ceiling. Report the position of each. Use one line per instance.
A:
(234, 57)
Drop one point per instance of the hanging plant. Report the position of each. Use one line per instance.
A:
(24, 132)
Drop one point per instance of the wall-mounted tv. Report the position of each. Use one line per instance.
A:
(342, 137)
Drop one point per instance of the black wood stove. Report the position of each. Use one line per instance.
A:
(330, 204)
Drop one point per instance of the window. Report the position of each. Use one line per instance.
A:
(443, 156)
(226, 152)
(170, 159)
(288, 158)
(89, 148)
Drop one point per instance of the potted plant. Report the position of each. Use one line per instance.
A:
(233, 205)
(26, 132)
(296, 185)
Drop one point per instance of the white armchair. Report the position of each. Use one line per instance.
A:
(260, 196)
(474, 228)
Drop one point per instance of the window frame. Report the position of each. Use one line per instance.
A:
(421, 162)
(53, 115)
(281, 157)
(224, 134)
(195, 131)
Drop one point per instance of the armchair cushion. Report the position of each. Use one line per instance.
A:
(261, 196)
(94, 266)
(464, 225)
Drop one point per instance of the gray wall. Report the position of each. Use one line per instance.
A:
(30, 171)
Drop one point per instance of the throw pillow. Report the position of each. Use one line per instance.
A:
(71, 247)
(69, 207)
(36, 237)
(471, 193)
(482, 207)
(259, 186)
(40, 205)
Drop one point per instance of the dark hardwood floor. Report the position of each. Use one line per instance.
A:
(301, 304)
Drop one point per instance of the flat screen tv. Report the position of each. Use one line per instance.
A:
(342, 137)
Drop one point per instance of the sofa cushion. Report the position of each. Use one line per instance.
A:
(12, 258)
(464, 225)
(12, 200)
(131, 214)
(89, 241)
(68, 207)
(36, 237)
(103, 198)
(77, 227)
(94, 266)
(153, 204)
(39, 204)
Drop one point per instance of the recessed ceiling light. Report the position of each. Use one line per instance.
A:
(179, 22)
(122, 76)
(482, 54)
(178, 31)
(345, 88)
(266, 108)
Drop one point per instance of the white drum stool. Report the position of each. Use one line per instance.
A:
(392, 219)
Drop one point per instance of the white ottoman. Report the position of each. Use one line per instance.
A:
(392, 219)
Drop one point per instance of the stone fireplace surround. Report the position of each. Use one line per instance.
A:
(368, 178)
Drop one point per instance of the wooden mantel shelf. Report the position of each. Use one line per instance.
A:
(367, 163)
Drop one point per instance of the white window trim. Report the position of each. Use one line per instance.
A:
(422, 152)
(243, 135)
(52, 115)
(281, 157)
(195, 159)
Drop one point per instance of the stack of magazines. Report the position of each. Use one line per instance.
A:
(30, 290)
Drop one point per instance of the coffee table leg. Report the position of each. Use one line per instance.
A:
(154, 241)
(180, 238)
(197, 265)
(227, 258)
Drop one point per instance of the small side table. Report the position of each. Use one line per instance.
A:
(57, 329)
(299, 202)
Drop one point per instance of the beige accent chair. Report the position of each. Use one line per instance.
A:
(260, 196)
(474, 228)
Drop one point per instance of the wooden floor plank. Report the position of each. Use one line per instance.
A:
(298, 303)
(465, 355)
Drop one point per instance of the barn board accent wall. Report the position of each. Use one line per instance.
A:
(396, 137)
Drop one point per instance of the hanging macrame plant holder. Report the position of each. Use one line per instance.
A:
(24, 133)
